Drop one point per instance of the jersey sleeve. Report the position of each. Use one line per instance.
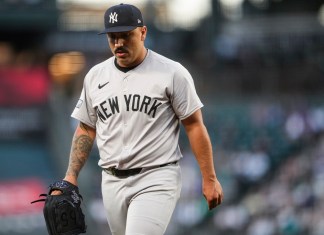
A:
(84, 111)
(185, 100)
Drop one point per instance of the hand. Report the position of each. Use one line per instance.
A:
(69, 179)
(56, 192)
(63, 212)
(213, 193)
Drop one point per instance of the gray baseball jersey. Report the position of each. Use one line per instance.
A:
(137, 114)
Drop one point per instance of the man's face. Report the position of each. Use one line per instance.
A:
(128, 47)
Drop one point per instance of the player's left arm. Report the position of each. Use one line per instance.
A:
(202, 149)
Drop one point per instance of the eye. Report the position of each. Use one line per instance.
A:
(111, 37)
(125, 35)
(114, 36)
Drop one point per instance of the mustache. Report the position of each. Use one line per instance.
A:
(121, 50)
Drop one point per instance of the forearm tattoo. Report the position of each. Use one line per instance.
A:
(80, 150)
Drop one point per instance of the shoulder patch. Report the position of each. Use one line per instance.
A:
(78, 105)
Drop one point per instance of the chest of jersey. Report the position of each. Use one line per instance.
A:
(130, 93)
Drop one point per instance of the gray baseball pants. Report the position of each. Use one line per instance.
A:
(141, 204)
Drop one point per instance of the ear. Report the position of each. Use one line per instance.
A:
(143, 33)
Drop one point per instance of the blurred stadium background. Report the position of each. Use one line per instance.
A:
(258, 66)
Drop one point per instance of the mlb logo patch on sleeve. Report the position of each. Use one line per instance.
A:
(78, 105)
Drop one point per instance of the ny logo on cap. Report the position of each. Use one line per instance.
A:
(113, 17)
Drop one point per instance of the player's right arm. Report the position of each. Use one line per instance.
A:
(81, 146)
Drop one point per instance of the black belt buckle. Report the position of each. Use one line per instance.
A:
(112, 170)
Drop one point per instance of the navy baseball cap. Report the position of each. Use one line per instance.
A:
(122, 18)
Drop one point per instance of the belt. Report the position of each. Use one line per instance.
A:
(134, 171)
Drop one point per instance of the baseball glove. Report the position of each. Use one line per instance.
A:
(63, 214)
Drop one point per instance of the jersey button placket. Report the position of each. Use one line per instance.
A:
(125, 84)
(125, 121)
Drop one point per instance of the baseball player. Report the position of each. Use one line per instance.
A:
(133, 104)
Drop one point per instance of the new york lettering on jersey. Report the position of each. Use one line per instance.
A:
(133, 103)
